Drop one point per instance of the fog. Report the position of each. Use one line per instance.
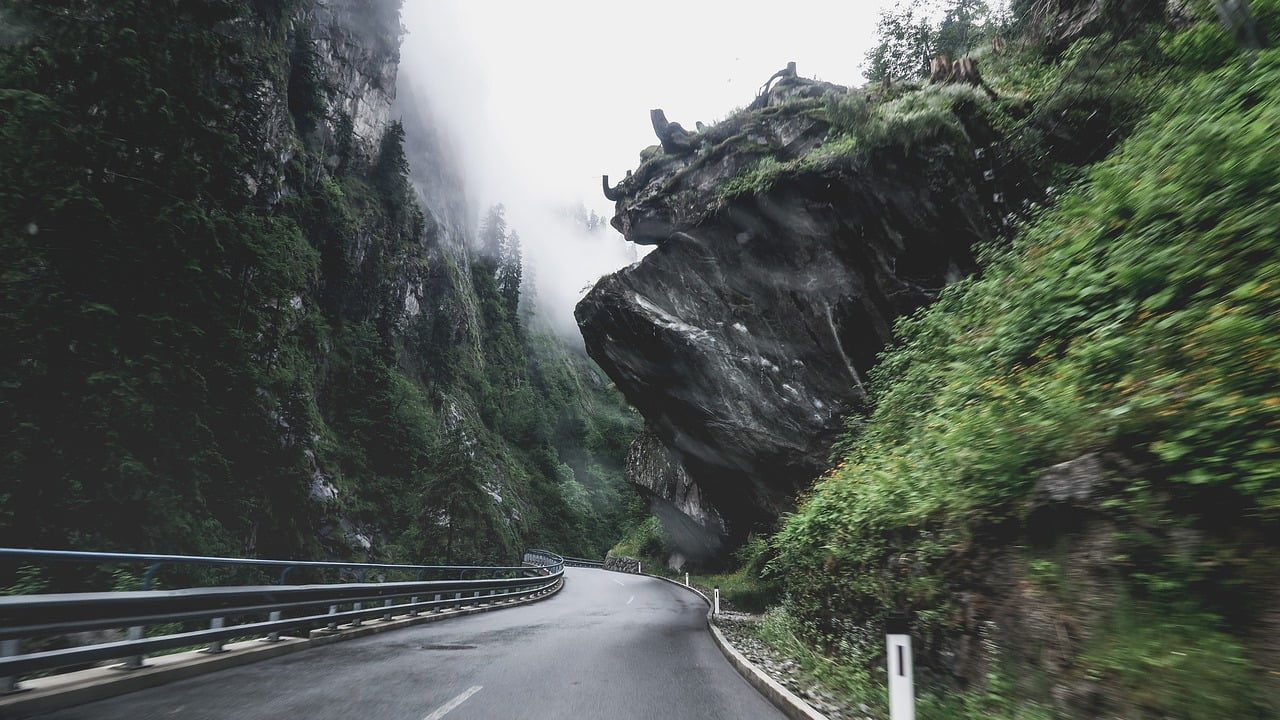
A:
(541, 98)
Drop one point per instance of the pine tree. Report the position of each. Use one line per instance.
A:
(493, 232)
(510, 271)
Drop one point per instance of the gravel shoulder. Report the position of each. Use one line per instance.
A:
(742, 629)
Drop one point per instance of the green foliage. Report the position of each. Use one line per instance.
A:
(644, 540)
(758, 180)
(202, 343)
(1140, 313)
(143, 286)
(911, 34)
(925, 115)
(1199, 671)
(742, 589)
(861, 681)
(28, 580)
(858, 128)
(1208, 44)
(839, 673)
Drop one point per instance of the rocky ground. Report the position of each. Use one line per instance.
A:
(742, 629)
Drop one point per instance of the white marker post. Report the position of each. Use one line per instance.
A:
(716, 610)
(902, 694)
(686, 579)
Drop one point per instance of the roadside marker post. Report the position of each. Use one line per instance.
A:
(686, 579)
(9, 648)
(274, 635)
(716, 610)
(902, 697)
(134, 662)
(215, 647)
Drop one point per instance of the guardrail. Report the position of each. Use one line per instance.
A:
(256, 610)
(611, 562)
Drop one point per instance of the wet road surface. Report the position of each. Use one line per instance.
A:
(607, 646)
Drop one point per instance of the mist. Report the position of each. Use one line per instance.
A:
(540, 99)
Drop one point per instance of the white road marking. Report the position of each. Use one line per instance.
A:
(633, 597)
(452, 704)
(618, 581)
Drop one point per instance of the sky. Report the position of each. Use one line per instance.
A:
(542, 97)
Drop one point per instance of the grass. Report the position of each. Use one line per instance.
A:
(739, 590)
(1171, 663)
(744, 589)
(920, 116)
(643, 541)
(860, 682)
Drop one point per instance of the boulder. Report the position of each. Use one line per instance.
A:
(746, 336)
(692, 524)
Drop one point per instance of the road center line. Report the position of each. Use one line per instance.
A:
(633, 597)
(449, 706)
(618, 581)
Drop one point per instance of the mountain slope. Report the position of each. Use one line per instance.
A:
(247, 312)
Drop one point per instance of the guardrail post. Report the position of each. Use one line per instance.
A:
(216, 646)
(716, 606)
(133, 662)
(413, 600)
(333, 610)
(149, 577)
(274, 635)
(355, 622)
(902, 698)
(9, 648)
(386, 617)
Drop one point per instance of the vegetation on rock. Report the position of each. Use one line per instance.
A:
(229, 327)
(1137, 316)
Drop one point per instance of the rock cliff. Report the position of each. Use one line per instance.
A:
(281, 337)
(789, 238)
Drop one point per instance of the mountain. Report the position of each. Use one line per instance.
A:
(248, 309)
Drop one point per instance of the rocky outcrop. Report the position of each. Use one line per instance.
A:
(782, 261)
(357, 49)
(1054, 597)
(1061, 22)
(693, 525)
(622, 563)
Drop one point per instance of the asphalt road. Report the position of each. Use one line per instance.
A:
(607, 646)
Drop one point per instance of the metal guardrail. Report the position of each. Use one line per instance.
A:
(155, 562)
(257, 610)
(611, 563)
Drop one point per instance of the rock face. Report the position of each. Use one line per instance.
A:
(1062, 22)
(1044, 603)
(622, 563)
(357, 49)
(695, 526)
(746, 337)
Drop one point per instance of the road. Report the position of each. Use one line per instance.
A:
(607, 646)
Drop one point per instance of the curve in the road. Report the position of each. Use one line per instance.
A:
(607, 646)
